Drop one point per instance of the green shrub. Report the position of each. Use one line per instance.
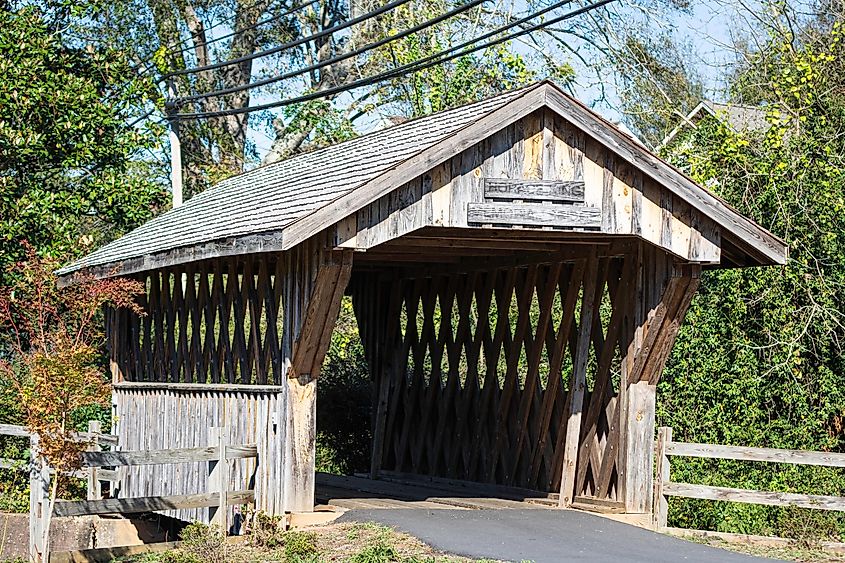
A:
(380, 552)
(300, 545)
(344, 399)
(265, 531)
(205, 543)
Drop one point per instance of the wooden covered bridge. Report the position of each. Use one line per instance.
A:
(519, 269)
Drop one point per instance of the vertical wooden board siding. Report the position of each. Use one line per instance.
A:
(532, 167)
(569, 150)
(594, 175)
(441, 190)
(165, 418)
(466, 183)
(550, 159)
(680, 228)
(651, 216)
(622, 195)
(501, 148)
(705, 243)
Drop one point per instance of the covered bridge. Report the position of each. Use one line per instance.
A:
(519, 269)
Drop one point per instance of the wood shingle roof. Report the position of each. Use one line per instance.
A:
(269, 198)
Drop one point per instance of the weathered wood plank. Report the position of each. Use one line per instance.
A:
(539, 190)
(157, 457)
(14, 430)
(570, 216)
(769, 498)
(663, 474)
(578, 383)
(148, 504)
(742, 453)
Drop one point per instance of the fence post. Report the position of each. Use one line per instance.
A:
(218, 477)
(39, 499)
(661, 505)
(94, 492)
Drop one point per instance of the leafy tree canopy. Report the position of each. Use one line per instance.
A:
(70, 176)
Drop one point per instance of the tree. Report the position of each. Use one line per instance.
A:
(169, 36)
(657, 86)
(70, 176)
(51, 357)
(760, 360)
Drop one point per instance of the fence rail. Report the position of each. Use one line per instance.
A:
(664, 487)
(218, 454)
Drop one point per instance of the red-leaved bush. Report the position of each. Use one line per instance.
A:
(52, 340)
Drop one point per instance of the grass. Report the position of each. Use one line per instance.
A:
(348, 543)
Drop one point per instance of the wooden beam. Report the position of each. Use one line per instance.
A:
(662, 329)
(535, 214)
(147, 504)
(311, 331)
(323, 307)
(158, 457)
(536, 190)
(769, 498)
(578, 383)
(742, 453)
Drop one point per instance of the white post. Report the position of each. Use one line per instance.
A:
(175, 146)
(94, 492)
(218, 477)
(39, 502)
(660, 504)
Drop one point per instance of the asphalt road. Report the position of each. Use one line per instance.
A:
(542, 536)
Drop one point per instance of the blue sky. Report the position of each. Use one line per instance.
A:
(705, 30)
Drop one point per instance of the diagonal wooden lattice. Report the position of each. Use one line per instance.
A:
(474, 372)
(217, 321)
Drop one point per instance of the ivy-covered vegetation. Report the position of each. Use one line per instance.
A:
(759, 360)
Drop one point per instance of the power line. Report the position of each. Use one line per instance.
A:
(427, 62)
(428, 23)
(295, 42)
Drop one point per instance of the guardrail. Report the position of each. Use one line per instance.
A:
(665, 487)
(218, 453)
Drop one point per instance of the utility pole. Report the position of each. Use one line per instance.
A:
(175, 144)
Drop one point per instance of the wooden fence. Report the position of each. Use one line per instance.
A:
(104, 466)
(665, 487)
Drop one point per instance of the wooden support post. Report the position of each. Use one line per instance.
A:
(664, 294)
(578, 383)
(379, 423)
(94, 492)
(388, 344)
(312, 332)
(300, 444)
(660, 504)
(639, 445)
(218, 477)
(39, 502)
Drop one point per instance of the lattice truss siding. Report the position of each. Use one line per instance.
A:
(481, 366)
(216, 321)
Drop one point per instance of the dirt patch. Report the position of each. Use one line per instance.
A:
(348, 542)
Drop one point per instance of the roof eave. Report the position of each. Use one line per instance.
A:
(760, 244)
